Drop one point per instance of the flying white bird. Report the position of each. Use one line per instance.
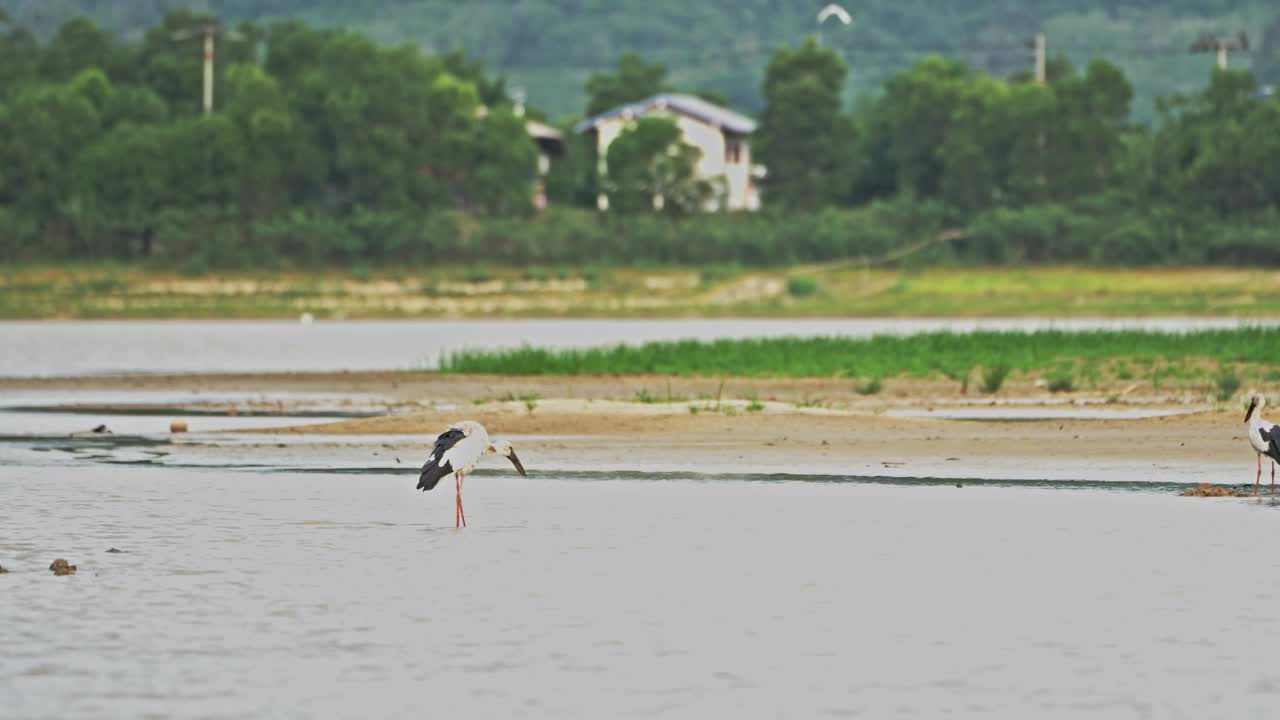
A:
(456, 453)
(835, 10)
(1263, 438)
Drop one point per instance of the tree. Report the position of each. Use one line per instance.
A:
(634, 80)
(803, 139)
(1266, 63)
(921, 105)
(127, 177)
(19, 58)
(78, 45)
(651, 168)
(267, 133)
(42, 131)
(505, 159)
(1219, 150)
(492, 91)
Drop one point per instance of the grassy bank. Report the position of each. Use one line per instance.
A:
(1069, 360)
(124, 291)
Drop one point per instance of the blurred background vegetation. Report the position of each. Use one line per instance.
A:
(334, 146)
(551, 47)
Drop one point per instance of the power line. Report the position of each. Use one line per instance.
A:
(762, 51)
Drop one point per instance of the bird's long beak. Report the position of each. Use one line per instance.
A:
(1253, 404)
(516, 461)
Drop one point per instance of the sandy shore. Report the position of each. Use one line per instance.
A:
(811, 425)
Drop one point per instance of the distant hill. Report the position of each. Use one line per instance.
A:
(549, 47)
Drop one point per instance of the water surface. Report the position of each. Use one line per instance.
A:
(339, 595)
(96, 347)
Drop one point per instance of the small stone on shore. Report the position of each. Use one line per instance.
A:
(178, 426)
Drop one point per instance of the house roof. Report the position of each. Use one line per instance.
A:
(690, 105)
(542, 130)
(548, 138)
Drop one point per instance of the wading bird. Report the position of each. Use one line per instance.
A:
(1263, 438)
(456, 453)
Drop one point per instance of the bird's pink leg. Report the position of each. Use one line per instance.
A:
(1258, 478)
(461, 513)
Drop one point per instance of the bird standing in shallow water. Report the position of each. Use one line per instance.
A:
(456, 453)
(1263, 438)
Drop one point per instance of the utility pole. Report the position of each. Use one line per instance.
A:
(208, 68)
(1208, 43)
(1038, 47)
(209, 31)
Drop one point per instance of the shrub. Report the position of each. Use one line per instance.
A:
(478, 274)
(801, 287)
(719, 272)
(1227, 384)
(594, 277)
(1062, 383)
(871, 387)
(194, 266)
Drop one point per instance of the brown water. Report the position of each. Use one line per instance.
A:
(278, 593)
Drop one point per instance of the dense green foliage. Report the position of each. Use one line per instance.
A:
(104, 150)
(326, 148)
(879, 356)
(552, 46)
(648, 161)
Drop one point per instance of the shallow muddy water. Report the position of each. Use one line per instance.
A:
(336, 590)
(86, 347)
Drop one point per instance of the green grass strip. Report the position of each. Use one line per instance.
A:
(879, 356)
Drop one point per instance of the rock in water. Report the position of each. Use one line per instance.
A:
(1208, 490)
(62, 567)
(178, 426)
(2, 570)
(115, 550)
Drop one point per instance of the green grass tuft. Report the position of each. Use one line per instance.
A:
(884, 356)
(993, 378)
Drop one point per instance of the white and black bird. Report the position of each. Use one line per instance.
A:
(456, 453)
(1263, 438)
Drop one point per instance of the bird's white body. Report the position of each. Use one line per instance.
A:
(465, 455)
(1259, 434)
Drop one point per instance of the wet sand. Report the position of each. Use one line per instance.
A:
(789, 425)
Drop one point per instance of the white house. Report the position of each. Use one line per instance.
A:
(550, 144)
(719, 133)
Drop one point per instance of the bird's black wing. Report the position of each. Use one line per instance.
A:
(1271, 436)
(436, 467)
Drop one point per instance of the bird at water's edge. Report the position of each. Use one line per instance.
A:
(456, 452)
(1264, 438)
